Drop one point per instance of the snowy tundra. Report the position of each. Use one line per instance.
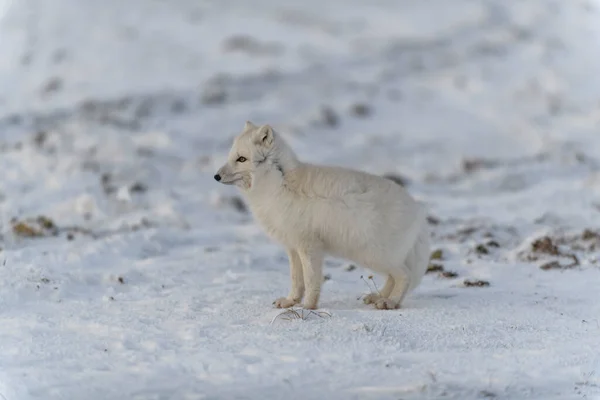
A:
(315, 210)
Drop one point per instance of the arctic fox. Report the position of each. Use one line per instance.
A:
(314, 211)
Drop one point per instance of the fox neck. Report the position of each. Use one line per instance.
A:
(270, 177)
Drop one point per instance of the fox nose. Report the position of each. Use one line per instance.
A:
(217, 177)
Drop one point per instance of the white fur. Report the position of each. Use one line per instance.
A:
(314, 211)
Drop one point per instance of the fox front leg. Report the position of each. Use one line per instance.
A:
(312, 267)
(297, 280)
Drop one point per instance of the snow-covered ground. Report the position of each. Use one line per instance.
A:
(145, 279)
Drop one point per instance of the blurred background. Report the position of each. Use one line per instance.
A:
(115, 115)
(399, 86)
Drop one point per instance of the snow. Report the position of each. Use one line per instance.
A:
(115, 115)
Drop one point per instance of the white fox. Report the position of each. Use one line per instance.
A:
(316, 211)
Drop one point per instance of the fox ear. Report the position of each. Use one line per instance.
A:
(264, 136)
(249, 126)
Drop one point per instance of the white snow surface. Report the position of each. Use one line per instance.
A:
(166, 292)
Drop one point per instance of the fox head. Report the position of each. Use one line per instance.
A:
(257, 152)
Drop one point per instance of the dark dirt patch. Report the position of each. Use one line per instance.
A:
(40, 138)
(432, 220)
(434, 268)
(45, 222)
(328, 117)
(551, 265)
(238, 204)
(481, 249)
(590, 235)
(250, 45)
(436, 255)
(52, 85)
(587, 241)
(144, 108)
(476, 283)
(557, 265)
(545, 245)
(35, 228)
(467, 231)
(138, 187)
(214, 96)
(478, 230)
(360, 110)
(448, 274)
(462, 234)
(350, 267)
(42, 227)
(486, 394)
(106, 182)
(476, 164)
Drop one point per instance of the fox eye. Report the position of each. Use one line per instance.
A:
(241, 159)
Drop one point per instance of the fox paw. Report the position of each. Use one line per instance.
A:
(310, 306)
(284, 302)
(371, 298)
(386, 304)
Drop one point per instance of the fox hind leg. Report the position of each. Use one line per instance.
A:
(384, 293)
(401, 286)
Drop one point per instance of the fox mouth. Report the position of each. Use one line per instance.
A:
(230, 182)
